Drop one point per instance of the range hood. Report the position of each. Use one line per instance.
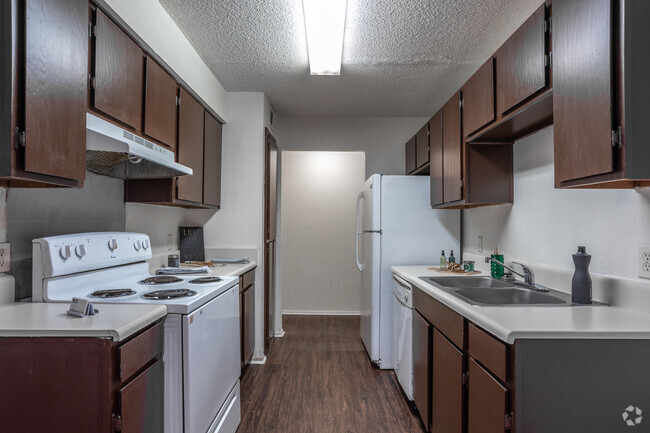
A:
(115, 152)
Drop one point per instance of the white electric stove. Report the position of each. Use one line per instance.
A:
(201, 330)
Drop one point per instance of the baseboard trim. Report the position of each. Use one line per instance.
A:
(320, 313)
(279, 334)
(259, 361)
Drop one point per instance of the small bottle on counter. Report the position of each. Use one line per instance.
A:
(581, 282)
(452, 259)
(443, 261)
(173, 261)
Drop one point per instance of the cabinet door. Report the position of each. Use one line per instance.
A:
(421, 367)
(212, 162)
(411, 159)
(160, 110)
(142, 402)
(118, 73)
(447, 390)
(56, 68)
(478, 98)
(520, 65)
(487, 402)
(435, 155)
(190, 148)
(582, 86)
(249, 323)
(422, 146)
(452, 143)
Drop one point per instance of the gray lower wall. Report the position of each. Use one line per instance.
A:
(39, 212)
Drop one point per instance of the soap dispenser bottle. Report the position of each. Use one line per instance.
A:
(443, 261)
(451, 259)
(581, 283)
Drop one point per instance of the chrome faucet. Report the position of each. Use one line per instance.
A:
(528, 275)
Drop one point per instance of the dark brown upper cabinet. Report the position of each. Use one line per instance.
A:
(212, 162)
(43, 91)
(436, 158)
(521, 63)
(190, 148)
(422, 146)
(199, 147)
(117, 74)
(452, 150)
(601, 92)
(478, 98)
(411, 159)
(161, 101)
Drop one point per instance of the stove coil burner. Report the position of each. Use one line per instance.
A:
(152, 281)
(169, 294)
(113, 293)
(205, 280)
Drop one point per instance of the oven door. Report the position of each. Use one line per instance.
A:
(210, 359)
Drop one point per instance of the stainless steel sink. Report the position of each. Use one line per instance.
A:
(487, 291)
(467, 282)
(508, 296)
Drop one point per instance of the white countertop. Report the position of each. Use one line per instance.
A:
(221, 270)
(514, 322)
(115, 321)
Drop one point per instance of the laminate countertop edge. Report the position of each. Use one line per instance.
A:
(114, 321)
(510, 323)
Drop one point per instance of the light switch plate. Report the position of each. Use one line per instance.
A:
(5, 257)
(644, 262)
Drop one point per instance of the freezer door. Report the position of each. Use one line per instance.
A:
(370, 244)
(210, 359)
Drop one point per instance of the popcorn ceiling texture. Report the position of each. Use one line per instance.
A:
(400, 57)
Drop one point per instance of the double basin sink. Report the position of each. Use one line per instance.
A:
(487, 291)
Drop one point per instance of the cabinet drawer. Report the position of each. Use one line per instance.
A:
(489, 351)
(134, 354)
(442, 317)
(247, 279)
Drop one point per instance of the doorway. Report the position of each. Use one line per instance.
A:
(270, 223)
(318, 192)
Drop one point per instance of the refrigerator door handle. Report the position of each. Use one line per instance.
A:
(358, 233)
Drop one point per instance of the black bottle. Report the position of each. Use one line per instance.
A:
(581, 283)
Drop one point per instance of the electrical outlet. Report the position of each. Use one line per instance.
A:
(5, 257)
(644, 262)
(170, 242)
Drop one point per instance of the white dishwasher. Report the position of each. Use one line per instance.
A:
(403, 334)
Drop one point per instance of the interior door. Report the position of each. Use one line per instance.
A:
(270, 219)
(56, 76)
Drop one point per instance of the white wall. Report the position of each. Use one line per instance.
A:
(156, 28)
(382, 138)
(240, 222)
(545, 225)
(318, 273)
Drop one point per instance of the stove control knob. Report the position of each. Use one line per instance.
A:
(145, 244)
(137, 244)
(65, 252)
(80, 250)
(112, 244)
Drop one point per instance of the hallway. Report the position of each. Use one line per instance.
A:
(318, 379)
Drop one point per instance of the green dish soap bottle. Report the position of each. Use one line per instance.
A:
(496, 270)
(443, 261)
(451, 259)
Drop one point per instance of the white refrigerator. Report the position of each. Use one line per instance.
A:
(395, 226)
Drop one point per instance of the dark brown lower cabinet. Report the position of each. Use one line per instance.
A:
(247, 316)
(421, 367)
(487, 402)
(447, 386)
(82, 384)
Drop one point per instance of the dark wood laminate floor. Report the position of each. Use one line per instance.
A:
(318, 379)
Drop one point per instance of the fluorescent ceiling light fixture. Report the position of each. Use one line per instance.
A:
(325, 25)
